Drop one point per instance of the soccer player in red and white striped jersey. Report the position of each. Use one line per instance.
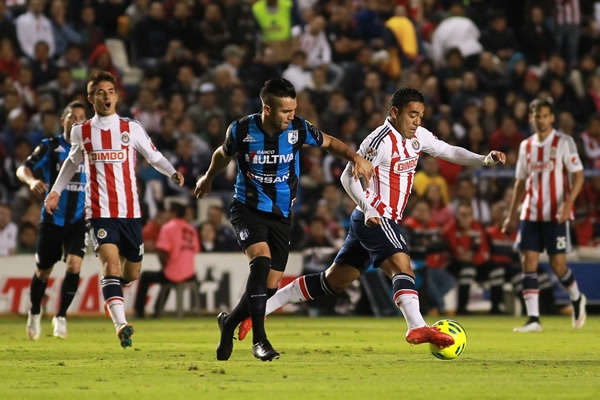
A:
(108, 144)
(549, 176)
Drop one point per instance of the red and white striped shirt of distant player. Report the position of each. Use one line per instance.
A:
(545, 166)
(395, 159)
(109, 146)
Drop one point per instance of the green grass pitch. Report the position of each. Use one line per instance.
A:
(321, 358)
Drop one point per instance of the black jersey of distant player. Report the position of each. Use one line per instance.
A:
(45, 163)
(268, 165)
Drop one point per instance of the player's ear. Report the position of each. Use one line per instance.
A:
(266, 109)
(90, 99)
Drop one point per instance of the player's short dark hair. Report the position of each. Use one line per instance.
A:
(277, 87)
(101, 76)
(405, 95)
(541, 102)
(178, 209)
(71, 106)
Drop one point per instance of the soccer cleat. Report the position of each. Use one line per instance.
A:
(245, 327)
(429, 334)
(60, 327)
(34, 326)
(264, 351)
(579, 314)
(225, 346)
(530, 326)
(124, 334)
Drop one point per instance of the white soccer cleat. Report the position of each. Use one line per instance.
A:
(529, 327)
(579, 314)
(34, 326)
(60, 327)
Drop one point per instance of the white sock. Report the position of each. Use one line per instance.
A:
(574, 292)
(291, 293)
(116, 308)
(532, 303)
(409, 305)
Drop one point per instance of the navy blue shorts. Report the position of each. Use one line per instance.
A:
(54, 241)
(366, 246)
(539, 236)
(252, 226)
(125, 233)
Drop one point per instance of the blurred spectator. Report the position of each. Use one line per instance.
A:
(147, 112)
(238, 104)
(298, 71)
(151, 229)
(8, 231)
(233, 59)
(7, 27)
(64, 33)
(456, 31)
(100, 59)
(242, 25)
(43, 68)
(26, 238)
(369, 24)
(72, 59)
(567, 20)
(356, 71)
(150, 29)
(226, 238)
(33, 27)
(182, 26)
(507, 135)
(490, 114)
(254, 73)
(49, 127)
(429, 251)
(499, 38)
(467, 192)
(275, 19)
(440, 211)
(490, 77)
(188, 163)
(176, 247)
(214, 33)
(343, 35)
(136, 11)
(208, 236)
(90, 32)
(204, 108)
(402, 43)
(109, 12)
(428, 174)
(166, 140)
(536, 39)
(15, 130)
(591, 142)
(24, 86)
(63, 88)
(9, 63)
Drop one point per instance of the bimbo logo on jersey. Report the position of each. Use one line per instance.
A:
(406, 165)
(109, 156)
(542, 166)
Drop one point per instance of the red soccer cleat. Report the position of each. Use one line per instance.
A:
(245, 327)
(429, 334)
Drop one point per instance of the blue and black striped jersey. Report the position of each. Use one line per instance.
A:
(268, 166)
(45, 163)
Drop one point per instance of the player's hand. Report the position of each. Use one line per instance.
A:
(38, 187)
(362, 168)
(51, 202)
(373, 221)
(509, 225)
(202, 186)
(177, 177)
(495, 157)
(564, 213)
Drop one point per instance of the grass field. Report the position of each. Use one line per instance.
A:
(321, 358)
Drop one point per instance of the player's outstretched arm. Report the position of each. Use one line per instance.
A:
(67, 171)
(37, 186)
(218, 163)
(355, 190)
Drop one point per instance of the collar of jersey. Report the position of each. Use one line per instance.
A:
(105, 122)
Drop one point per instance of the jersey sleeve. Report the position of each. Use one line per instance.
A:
(571, 156)
(144, 145)
(521, 167)
(314, 136)
(76, 152)
(37, 158)
(230, 144)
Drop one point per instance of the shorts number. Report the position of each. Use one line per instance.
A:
(141, 252)
(561, 242)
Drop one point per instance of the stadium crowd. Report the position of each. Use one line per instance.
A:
(187, 68)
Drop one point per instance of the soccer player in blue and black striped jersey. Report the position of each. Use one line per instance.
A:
(266, 147)
(60, 233)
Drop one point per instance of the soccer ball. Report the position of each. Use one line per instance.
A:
(454, 329)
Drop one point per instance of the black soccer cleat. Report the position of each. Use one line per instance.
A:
(225, 346)
(264, 351)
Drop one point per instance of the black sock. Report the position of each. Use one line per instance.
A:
(239, 313)
(256, 291)
(67, 292)
(37, 288)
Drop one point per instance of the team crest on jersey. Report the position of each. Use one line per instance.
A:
(293, 136)
(101, 234)
(553, 152)
(415, 144)
(244, 234)
(371, 154)
(125, 138)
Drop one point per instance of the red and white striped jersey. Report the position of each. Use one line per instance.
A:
(545, 167)
(394, 160)
(109, 145)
